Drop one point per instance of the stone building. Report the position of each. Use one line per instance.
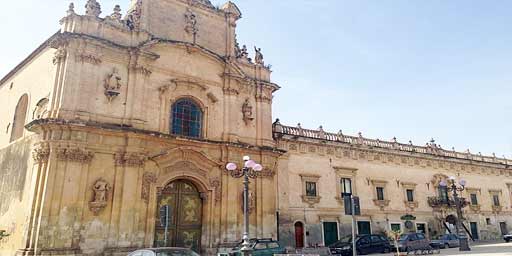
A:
(118, 128)
(398, 186)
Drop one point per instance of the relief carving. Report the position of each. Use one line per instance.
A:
(88, 58)
(74, 155)
(59, 56)
(130, 159)
(41, 153)
(99, 202)
(216, 184)
(247, 112)
(112, 85)
(147, 179)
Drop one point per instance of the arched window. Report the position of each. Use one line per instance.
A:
(186, 119)
(18, 124)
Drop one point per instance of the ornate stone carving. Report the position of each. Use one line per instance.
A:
(258, 57)
(191, 23)
(212, 97)
(147, 179)
(247, 112)
(59, 56)
(130, 159)
(88, 58)
(134, 16)
(381, 203)
(116, 15)
(112, 85)
(74, 155)
(244, 54)
(41, 153)
(92, 8)
(216, 185)
(41, 109)
(100, 190)
(142, 70)
(71, 9)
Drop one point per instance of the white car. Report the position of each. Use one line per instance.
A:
(164, 251)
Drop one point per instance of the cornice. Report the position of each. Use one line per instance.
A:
(50, 123)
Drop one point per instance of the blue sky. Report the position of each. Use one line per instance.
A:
(410, 69)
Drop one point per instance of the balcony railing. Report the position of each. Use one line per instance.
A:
(438, 202)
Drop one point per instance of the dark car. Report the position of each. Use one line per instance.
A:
(364, 244)
(261, 247)
(446, 241)
(164, 251)
(507, 237)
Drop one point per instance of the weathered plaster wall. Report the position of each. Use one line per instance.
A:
(15, 186)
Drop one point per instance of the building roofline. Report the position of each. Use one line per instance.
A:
(431, 148)
(29, 58)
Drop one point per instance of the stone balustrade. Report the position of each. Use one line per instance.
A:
(430, 148)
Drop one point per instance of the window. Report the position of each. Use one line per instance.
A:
(488, 221)
(380, 193)
(396, 227)
(346, 186)
(443, 193)
(260, 246)
(18, 124)
(310, 188)
(410, 195)
(496, 200)
(186, 118)
(272, 245)
(474, 200)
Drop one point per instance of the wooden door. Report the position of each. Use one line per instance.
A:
(178, 222)
(299, 235)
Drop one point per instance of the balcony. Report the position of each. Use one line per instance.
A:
(440, 202)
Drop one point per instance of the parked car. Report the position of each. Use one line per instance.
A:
(508, 237)
(364, 244)
(261, 247)
(447, 241)
(413, 241)
(164, 251)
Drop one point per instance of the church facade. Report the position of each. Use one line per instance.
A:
(118, 129)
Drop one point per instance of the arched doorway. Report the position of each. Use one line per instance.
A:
(299, 235)
(178, 220)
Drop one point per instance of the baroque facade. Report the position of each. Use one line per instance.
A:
(122, 139)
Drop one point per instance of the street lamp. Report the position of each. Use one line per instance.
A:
(250, 170)
(451, 185)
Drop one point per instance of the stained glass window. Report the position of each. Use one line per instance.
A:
(186, 118)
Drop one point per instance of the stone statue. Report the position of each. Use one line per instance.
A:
(92, 8)
(191, 22)
(71, 9)
(237, 50)
(243, 53)
(100, 189)
(116, 15)
(258, 58)
(112, 85)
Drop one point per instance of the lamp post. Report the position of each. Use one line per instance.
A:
(250, 170)
(454, 186)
